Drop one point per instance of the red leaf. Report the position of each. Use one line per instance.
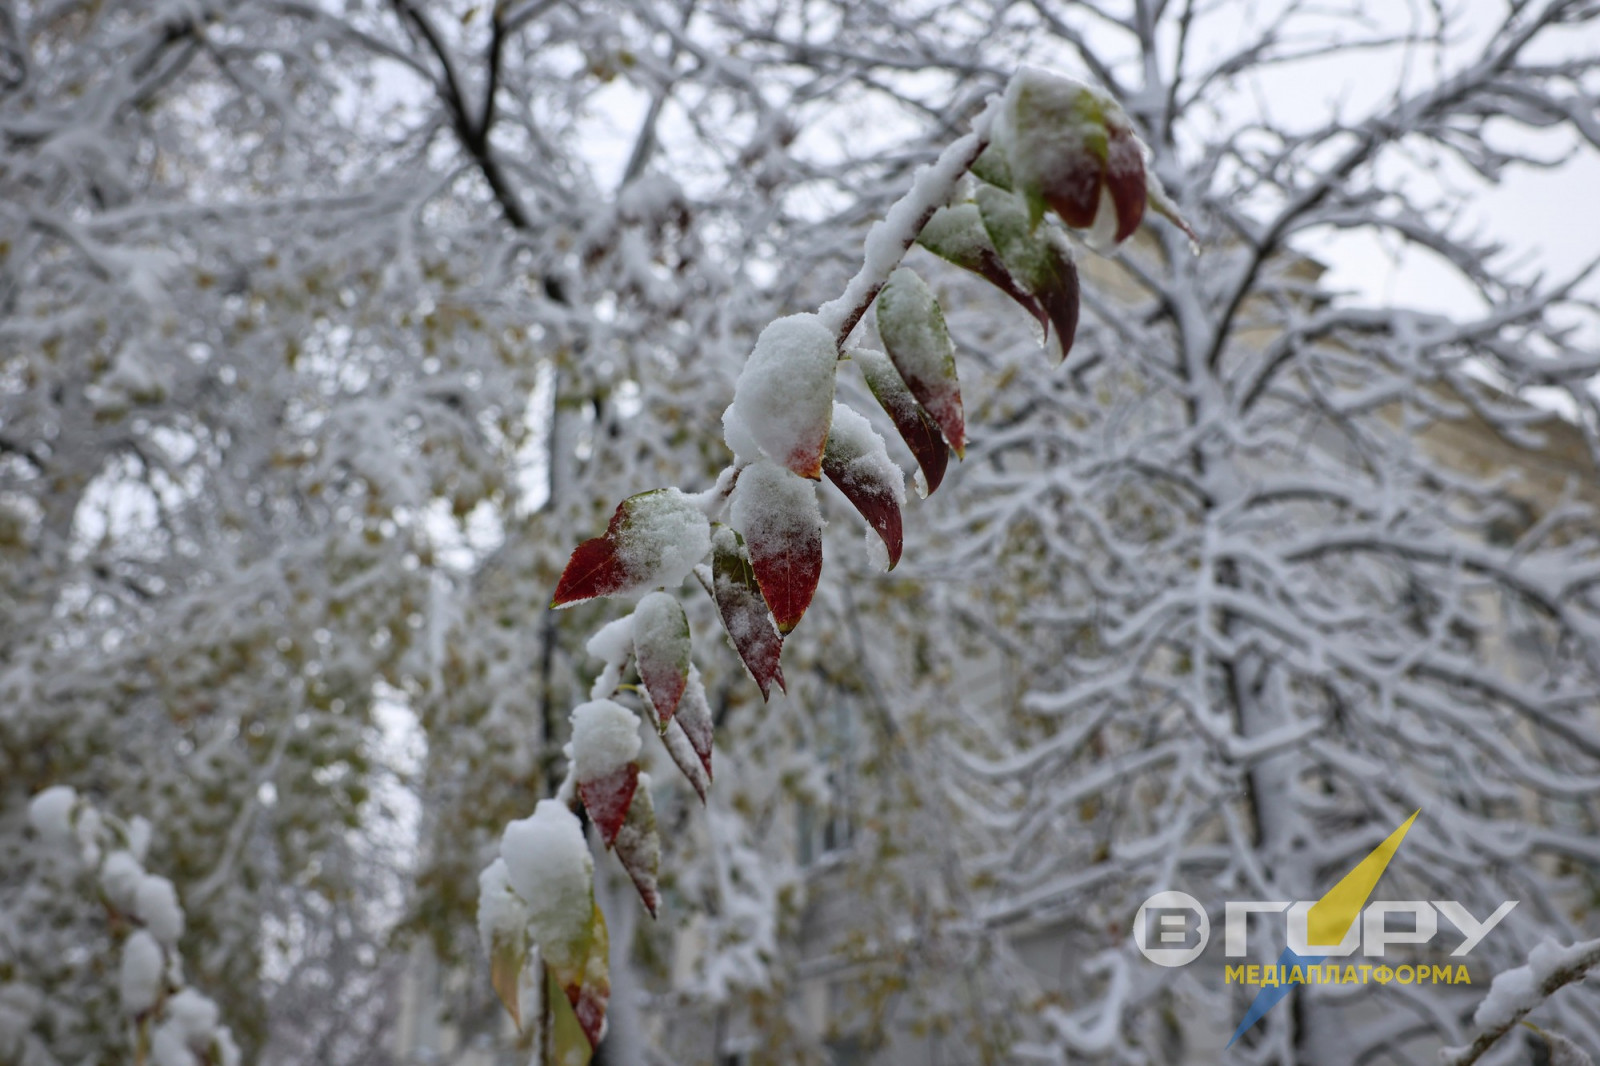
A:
(1125, 180)
(777, 512)
(744, 612)
(912, 422)
(594, 570)
(639, 845)
(1073, 190)
(856, 463)
(1060, 296)
(607, 797)
(661, 646)
(913, 331)
(694, 718)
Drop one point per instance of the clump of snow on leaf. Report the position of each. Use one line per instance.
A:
(500, 912)
(548, 863)
(612, 643)
(50, 813)
(784, 395)
(120, 878)
(156, 905)
(665, 534)
(771, 502)
(139, 980)
(863, 451)
(605, 736)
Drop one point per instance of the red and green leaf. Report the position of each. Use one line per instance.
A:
(957, 235)
(1039, 259)
(913, 423)
(745, 614)
(579, 990)
(914, 334)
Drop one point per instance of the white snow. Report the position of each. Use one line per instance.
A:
(660, 624)
(50, 814)
(120, 878)
(139, 980)
(1517, 991)
(889, 238)
(139, 833)
(193, 1014)
(863, 453)
(501, 913)
(168, 1048)
(737, 436)
(605, 737)
(771, 505)
(612, 643)
(664, 535)
(156, 905)
(784, 396)
(548, 862)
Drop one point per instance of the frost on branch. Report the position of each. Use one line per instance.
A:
(913, 330)
(776, 512)
(784, 396)
(858, 463)
(604, 753)
(654, 538)
(180, 1025)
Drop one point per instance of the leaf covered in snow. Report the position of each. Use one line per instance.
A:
(638, 845)
(784, 396)
(776, 512)
(662, 647)
(654, 538)
(1071, 149)
(858, 463)
(694, 720)
(605, 750)
(744, 612)
(913, 330)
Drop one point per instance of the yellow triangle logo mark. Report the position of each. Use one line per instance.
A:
(1330, 918)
